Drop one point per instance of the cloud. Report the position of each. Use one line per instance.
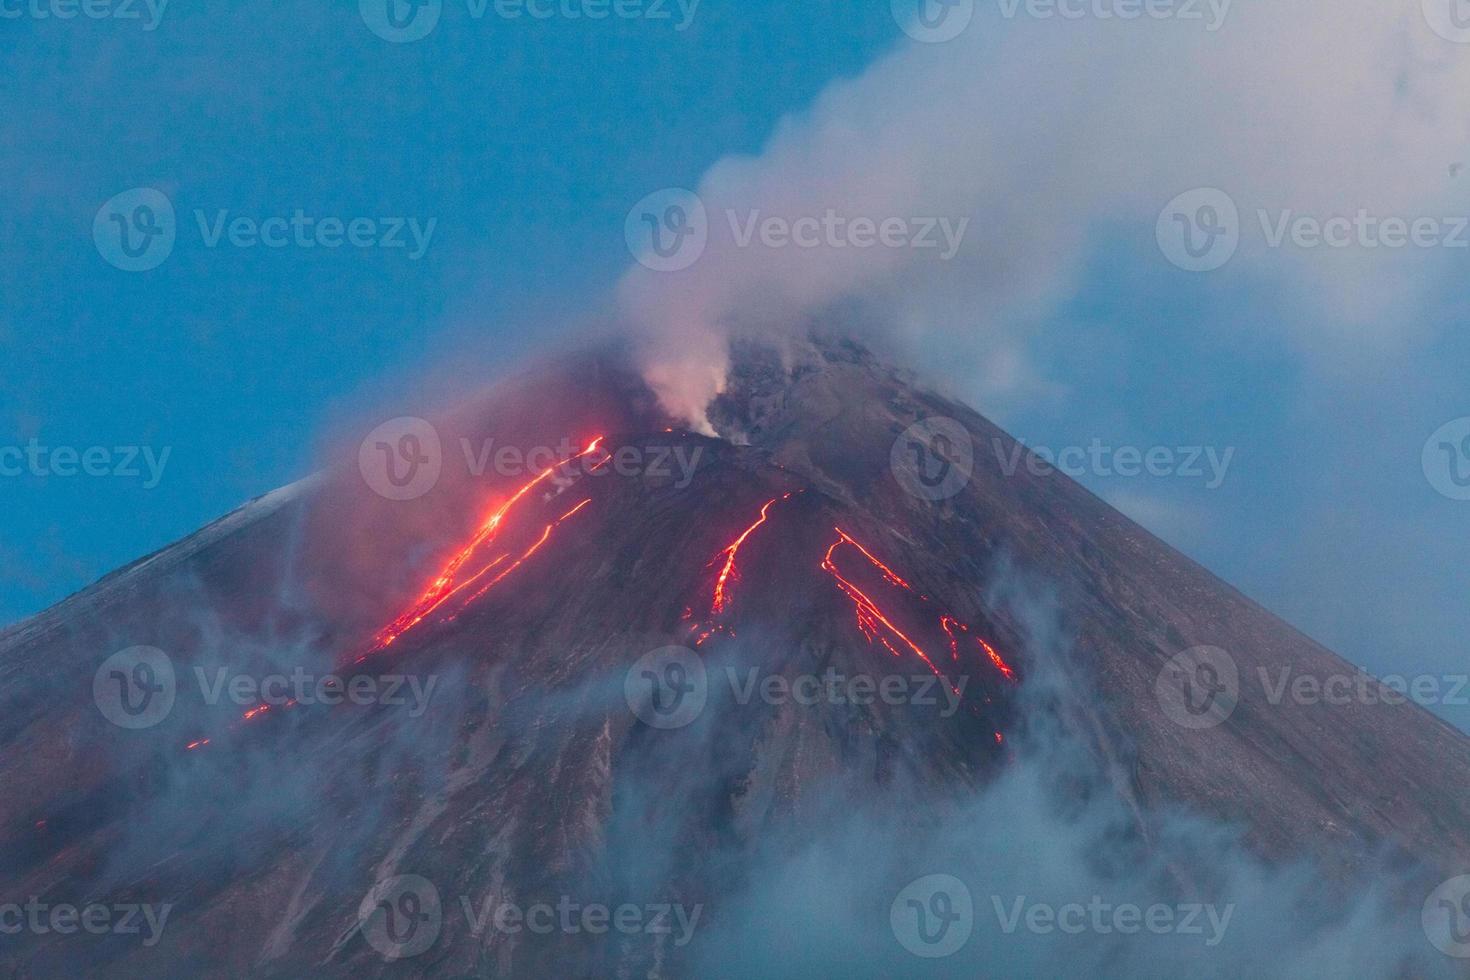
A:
(1049, 133)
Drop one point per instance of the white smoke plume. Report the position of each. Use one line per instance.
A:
(1046, 134)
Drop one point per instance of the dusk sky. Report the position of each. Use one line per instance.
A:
(1290, 393)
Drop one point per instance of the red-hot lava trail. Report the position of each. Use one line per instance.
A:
(545, 535)
(732, 551)
(877, 625)
(447, 583)
(250, 715)
(729, 574)
(870, 617)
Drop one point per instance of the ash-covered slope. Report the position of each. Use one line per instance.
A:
(839, 591)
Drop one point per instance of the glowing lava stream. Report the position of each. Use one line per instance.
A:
(445, 585)
(872, 621)
(732, 551)
(720, 600)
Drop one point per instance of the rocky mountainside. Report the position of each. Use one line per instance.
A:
(625, 676)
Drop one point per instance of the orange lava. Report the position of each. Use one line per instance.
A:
(447, 583)
(728, 576)
(545, 534)
(876, 625)
(731, 552)
(870, 617)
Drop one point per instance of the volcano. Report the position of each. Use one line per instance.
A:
(618, 687)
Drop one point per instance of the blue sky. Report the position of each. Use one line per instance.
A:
(526, 143)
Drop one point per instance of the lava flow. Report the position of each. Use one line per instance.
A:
(877, 625)
(725, 581)
(448, 583)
